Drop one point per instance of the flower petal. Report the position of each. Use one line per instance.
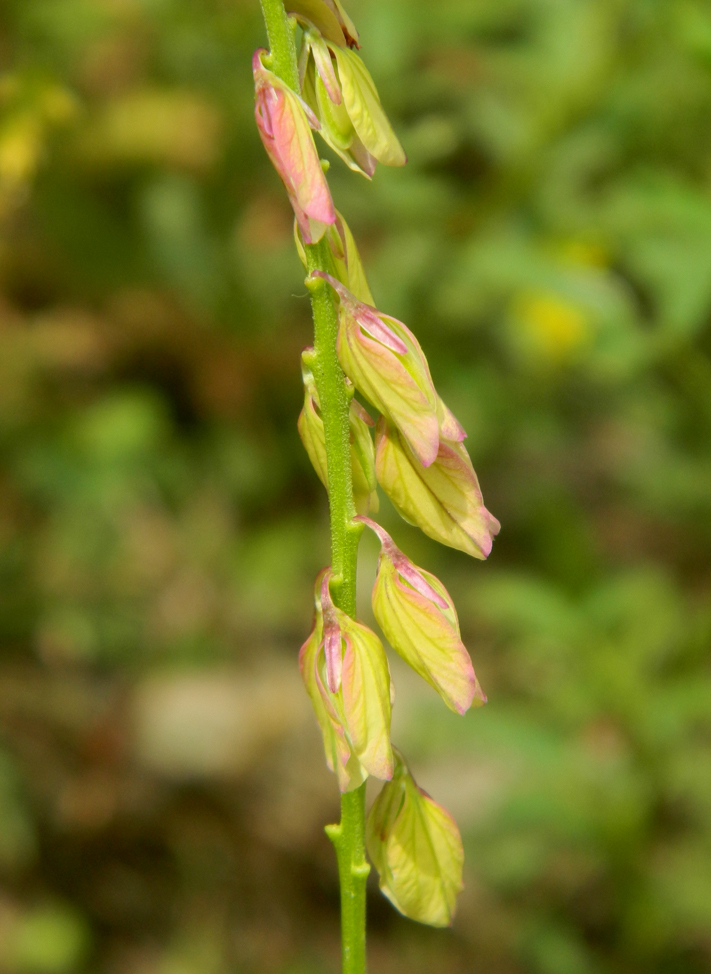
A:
(366, 699)
(284, 121)
(363, 104)
(418, 618)
(442, 499)
(339, 756)
(416, 847)
(324, 66)
(398, 384)
(421, 633)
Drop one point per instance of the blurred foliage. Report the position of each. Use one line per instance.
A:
(162, 791)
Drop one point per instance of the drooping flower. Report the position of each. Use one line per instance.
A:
(384, 360)
(342, 93)
(311, 431)
(418, 618)
(346, 258)
(284, 121)
(443, 499)
(416, 847)
(345, 670)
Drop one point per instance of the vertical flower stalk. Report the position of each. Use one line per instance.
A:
(418, 459)
(348, 836)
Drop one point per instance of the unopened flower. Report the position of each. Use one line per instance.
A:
(345, 670)
(341, 92)
(443, 499)
(416, 847)
(339, 755)
(346, 258)
(311, 431)
(418, 618)
(329, 17)
(284, 121)
(386, 364)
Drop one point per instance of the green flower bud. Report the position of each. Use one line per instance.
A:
(418, 618)
(416, 847)
(338, 88)
(366, 113)
(443, 499)
(339, 755)
(311, 431)
(345, 670)
(385, 362)
(336, 127)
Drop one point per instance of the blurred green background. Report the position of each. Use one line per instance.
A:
(162, 786)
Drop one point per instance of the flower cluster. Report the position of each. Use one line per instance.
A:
(417, 456)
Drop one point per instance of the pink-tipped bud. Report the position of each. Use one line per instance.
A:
(339, 754)
(417, 850)
(346, 673)
(443, 499)
(386, 364)
(418, 618)
(284, 122)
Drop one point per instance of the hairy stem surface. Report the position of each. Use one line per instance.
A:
(348, 836)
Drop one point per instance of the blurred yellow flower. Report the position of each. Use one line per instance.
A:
(29, 114)
(549, 326)
(20, 148)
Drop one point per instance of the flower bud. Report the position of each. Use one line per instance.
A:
(339, 755)
(344, 667)
(346, 258)
(442, 499)
(336, 127)
(385, 362)
(362, 103)
(418, 618)
(346, 101)
(416, 847)
(311, 431)
(284, 122)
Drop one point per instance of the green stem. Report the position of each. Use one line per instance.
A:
(349, 839)
(348, 836)
(282, 46)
